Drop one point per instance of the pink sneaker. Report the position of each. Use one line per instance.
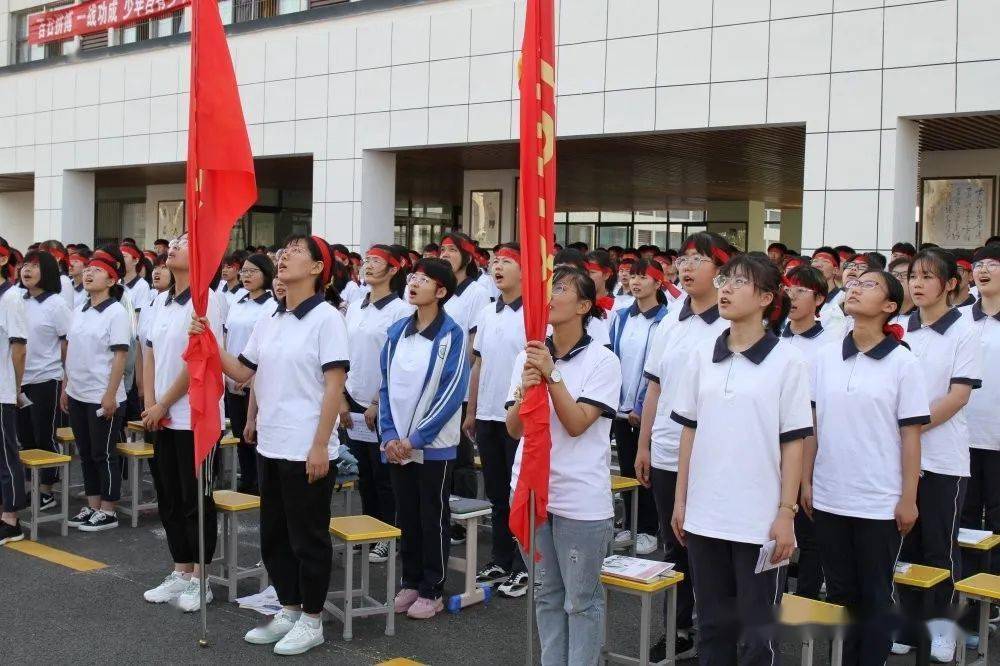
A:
(425, 609)
(404, 599)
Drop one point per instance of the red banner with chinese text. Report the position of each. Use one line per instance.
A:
(95, 16)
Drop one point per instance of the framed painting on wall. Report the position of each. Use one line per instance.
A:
(170, 222)
(957, 212)
(485, 209)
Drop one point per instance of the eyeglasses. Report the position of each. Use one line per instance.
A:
(864, 285)
(249, 272)
(694, 260)
(988, 265)
(798, 292)
(296, 249)
(901, 275)
(820, 263)
(855, 264)
(372, 260)
(419, 280)
(561, 288)
(735, 283)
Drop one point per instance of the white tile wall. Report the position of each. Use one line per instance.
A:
(740, 11)
(627, 18)
(581, 114)
(800, 46)
(343, 49)
(449, 81)
(280, 58)
(408, 86)
(738, 103)
(408, 128)
(629, 110)
(851, 217)
(411, 39)
(279, 138)
(814, 173)
(580, 68)
(489, 78)
(855, 100)
(684, 57)
(112, 82)
(857, 40)
(340, 137)
(739, 52)
(631, 63)
(978, 86)
(444, 27)
(489, 122)
(684, 15)
(787, 8)
(853, 160)
(920, 34)
(800, 98)
(374, 45)
(279, 100)
(310, 137)
(312, 54)
(492, 28)
(974, 43)
(111, 119)
(311, 97)
(582, 21)
(448, 124)
(917, 91)
(372, 90)
(342, 90)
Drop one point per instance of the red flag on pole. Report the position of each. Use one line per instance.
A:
(538, 198)
(221, 186)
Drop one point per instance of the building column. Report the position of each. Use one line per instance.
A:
(376, 221)
(755, 226)
(71, 218)
(901, 226)
(791, 227)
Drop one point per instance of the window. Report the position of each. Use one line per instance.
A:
(665, 229)
(241, 11)
(26, 52)
(163, 26)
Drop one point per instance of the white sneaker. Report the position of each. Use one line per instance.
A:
(942, 649)
(275, 630)
(380, 553)
(901, 648)
(645, 544)
(306, 634)
(190, 599)
(623, 537)
(168, 590)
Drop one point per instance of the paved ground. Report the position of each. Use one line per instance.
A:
(63, 616)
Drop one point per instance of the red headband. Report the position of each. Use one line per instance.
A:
(4, 252)
(629, 256)
(131, 251)
(105, 262)
(340, 256)
(655, 273)
(720, 255)
(75, 256)
(509, 253)
(324, 252)
(591, 266)
(387, 257)
(149, 255)
(464, 245)
(964, 263)
(58, 254)
(829, 257)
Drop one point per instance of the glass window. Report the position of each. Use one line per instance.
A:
(608, 236)
(26, 52)
(589, 216)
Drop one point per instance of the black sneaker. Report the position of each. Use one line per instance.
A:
(457, 535)
(99, 522)
(684, 648)
(515, 586)
(80, 518)
(10, 533)
(46, 501)
(491, 573)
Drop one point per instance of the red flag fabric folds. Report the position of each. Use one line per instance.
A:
(538, 198)
(221, 186)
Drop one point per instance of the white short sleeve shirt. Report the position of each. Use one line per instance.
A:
(499, 339)
(862, 401)
(368, 325)
(13, 330)
(139, 291)
(94, 336)
(984, 424)
(809, 342)
(242, 317)
(48, 319)
(579, 485)
(743, 406)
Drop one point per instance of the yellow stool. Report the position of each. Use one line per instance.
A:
(622, 485)
(645, 592)
(985, 550)
(229, 445)
(134, 453)
(348, 488)
(363, 531)
(231, 504)
(133, 429)
(37, 460)
(802, 612)
(984, 588)
(67, 439)
(924, 579)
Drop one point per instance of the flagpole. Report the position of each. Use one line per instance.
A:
(203, 641)
(530, 644)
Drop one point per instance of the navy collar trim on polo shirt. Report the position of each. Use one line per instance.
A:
(816, 329)
(969, 300)
(303, 308)
(40, 298)
(181, 298)
(832, 295)
(977, 311)
(514, 305)
(755, 354)
(459, 288)
(941, 326)
(260, 300)
(878, 352)
(432, 329)
(580, 345)
(100, 307)
(4, 286)
(131, 284)
(380, 303)
(78, 287)
(709, 316)
(633, 310)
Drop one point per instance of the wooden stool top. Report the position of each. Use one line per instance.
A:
(229, 441)
(922, 577)
(362, 528)
(667, 580)
(135, 449)
(981, 585)
(65, 435)
(346, 485)
(620, 483)
(134, 426)
(800, 610)
(989, 543)
(230, 500)
(38, 458)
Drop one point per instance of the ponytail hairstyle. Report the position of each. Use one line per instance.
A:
(941, 263)
(642, 266)
(894, 293)
(48, 268)
(584, 286)
(467, 249)
(144, 268)
(766, 279)
(110, 255)
(320, 250)
(601, 259)
(394, 258)
(58, 252)
(808, 277)
(10, 268)
(711, 245)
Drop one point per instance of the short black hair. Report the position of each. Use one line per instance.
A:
(161, 241)
(440, 271)
(830, 251)
(904, 248)
(988, 251)
(570, 256)
(778, 246)
(48, 268)
(266, 266)
(766, 278)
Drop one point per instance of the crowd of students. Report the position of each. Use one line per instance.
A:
(840, 403)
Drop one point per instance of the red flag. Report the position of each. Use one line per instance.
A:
(538, 198)
(221, 186)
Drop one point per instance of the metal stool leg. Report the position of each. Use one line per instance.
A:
(232, 533)
(644, 619)
(635, 520)
(348, 589)
(390, 591)
(35, 501)
(64, 501)
(133, 473)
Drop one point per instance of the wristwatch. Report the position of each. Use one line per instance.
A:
(555, 376)
(794, 508)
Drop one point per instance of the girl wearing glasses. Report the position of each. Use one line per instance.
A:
(860, 484)
(425, 375)
(948, 350)
(827, 261)
(744, 405)
(689, 323)
(900, 269)
(254, 302)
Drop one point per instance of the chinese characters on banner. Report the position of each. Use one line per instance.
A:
(94, 16)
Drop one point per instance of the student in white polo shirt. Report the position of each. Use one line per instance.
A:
(827, 261)
(633, 331)
(744, 405)
(601, 270)
(425, 375)
(48, 322)
(583, 379)
(168, 414)
(860, 483)
(900, 269)
(138, 288)
(691, 322)
(499, 339)
(232, 284)
(13, 339)
(948, 350)
(299, 385)
(623, 291)
(77, 261)
(94, 395)
(597, 327)
(254, 303)
(368, 322)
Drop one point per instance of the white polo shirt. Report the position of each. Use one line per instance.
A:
(66, 290)
(984, 426)
(831, 315)
(862, 401)
(94, 336)
(465, 304)
(487, 282)
(48, 323)
(677, 335)
(167, 336)
(351, 291)
(499, 339)
(808, 342)
(80, 296)
(290, 376)
(742, 407)
(243, 316)
(139, 291)
(580, 466)
(13, 330)
(633, 347)
(622, 301)
(949, 353)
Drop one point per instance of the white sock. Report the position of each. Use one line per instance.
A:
(309, 621)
